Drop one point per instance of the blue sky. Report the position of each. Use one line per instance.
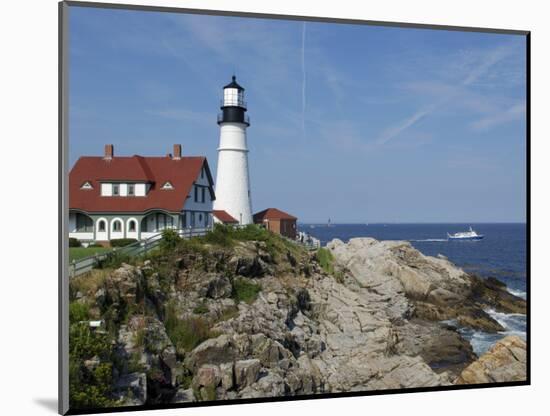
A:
(356, 123)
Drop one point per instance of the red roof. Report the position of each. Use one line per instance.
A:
(272, 214)
(181, 173)
(224, 217)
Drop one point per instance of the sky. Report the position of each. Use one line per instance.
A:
(356, 123)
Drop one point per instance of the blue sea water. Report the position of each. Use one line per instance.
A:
(501, 254)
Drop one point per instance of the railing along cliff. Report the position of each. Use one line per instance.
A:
(80, 266)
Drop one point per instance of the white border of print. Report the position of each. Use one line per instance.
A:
(29, 172)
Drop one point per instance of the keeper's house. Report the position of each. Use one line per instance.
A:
(277, 221)
(137, 197)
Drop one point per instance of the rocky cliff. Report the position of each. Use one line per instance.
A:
(242, 318)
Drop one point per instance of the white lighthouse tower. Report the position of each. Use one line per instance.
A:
(232, 181)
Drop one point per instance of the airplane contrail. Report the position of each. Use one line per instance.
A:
(304, 79)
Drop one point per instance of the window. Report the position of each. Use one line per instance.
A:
(117, 226)
(84, 223)
(131, 189)
(167, 185)
(132, 226)
(116, 190)
(196, 194)
(101, 226)
(203, 193)
(202, 173)
(200, 218)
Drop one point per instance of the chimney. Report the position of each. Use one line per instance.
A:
(177, 152)
(109, 152)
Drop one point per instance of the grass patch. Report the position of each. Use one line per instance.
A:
(326, 260)
(88, 282)
(201, 309)
(228, 313)
(187, 333)
(245, 291)
(139, 339)
(209, 393)
(228, 236)
(76, 253)
(115, 260)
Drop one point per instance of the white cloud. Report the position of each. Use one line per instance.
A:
(443, 93)
(514, 113)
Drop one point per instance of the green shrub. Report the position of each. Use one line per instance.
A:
(85, 343)
(90, 389)
(170, 239)
(78, 312)
(187, 333)
(245, 291)
(220, 235)
(88, 386)
(122, 242)
(185, 379)
(251, 232)
(73, 242)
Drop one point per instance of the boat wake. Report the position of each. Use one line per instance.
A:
(430, 240)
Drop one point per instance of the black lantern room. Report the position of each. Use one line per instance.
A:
(233, 105)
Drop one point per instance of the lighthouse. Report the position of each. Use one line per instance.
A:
(232, 180)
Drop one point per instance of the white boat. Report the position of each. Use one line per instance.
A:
(466, 235)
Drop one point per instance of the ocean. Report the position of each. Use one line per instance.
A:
(501, 254)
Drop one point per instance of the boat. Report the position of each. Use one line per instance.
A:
(465, 235)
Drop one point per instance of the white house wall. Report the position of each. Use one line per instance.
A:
(116, 234)
(101, 235)
(190, 204)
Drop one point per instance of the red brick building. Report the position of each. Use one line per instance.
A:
(277, 221)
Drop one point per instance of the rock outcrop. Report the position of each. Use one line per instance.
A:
(186, 331)
(505, 361)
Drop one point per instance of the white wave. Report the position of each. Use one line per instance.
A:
(518, 293)
(513, 324)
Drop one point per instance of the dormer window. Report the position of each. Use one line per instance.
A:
(86, 185)
(116, 189)
(131, 189)
(167, 186)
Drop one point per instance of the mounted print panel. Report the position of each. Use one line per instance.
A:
(263, 208)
